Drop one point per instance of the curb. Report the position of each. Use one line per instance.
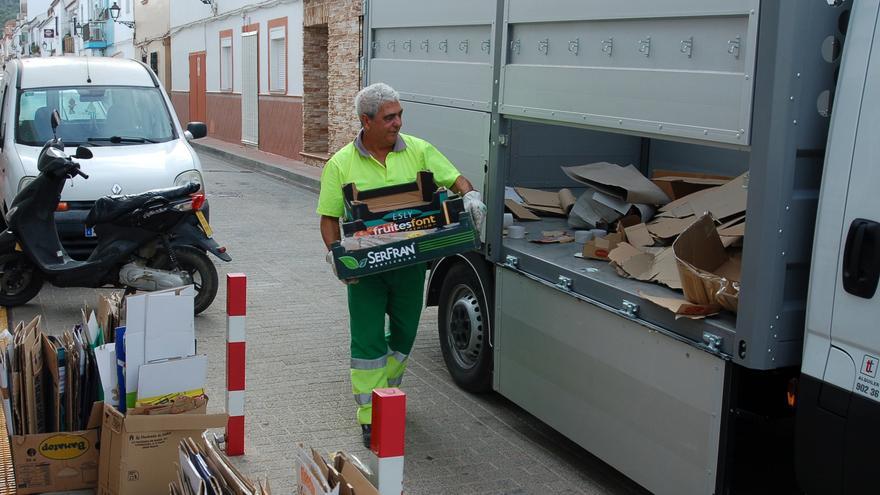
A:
(301, 180)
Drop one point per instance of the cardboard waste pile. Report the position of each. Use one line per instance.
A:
(401, 225)
(342, 474)
(202, 468)
(156, 392)
(692, 243)
(50, 389)
(681, 230)
(65, 397)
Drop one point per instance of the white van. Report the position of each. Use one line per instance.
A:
(117, 108)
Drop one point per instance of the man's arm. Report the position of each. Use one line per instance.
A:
(462, 186)
(329, 230)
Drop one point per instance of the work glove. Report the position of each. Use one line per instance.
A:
(473, 204)
(329, 259)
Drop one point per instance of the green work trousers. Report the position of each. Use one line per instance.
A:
(378, 358)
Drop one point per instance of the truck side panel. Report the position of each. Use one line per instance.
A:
(648, 405)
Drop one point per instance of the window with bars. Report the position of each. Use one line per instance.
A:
(278, 59)
(226, 63)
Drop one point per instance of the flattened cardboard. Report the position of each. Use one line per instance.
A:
(53, 462)
(680, 184)
(138, 452)
(638, 235)
(656, 265)
(708, 274)
(537, 197)
(626, 183)
(165, 380)
(721, 202)
(670, 228)
(519, 211)
(683, 308)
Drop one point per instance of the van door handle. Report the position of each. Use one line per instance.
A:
(861, 258)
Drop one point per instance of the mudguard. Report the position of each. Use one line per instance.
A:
(7, 241)
(188, 233)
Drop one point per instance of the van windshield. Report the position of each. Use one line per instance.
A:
(101, 116)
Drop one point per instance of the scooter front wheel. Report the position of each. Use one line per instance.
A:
(200, 269)
(20, 280)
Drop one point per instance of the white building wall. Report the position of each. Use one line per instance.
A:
(189, 35)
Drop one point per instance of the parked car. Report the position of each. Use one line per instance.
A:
(115, 107)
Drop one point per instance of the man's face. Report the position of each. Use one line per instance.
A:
(385, 125)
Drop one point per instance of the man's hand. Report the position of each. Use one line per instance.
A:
(473, 203)
(329, 259)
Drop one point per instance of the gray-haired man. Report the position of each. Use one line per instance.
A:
(382, 156)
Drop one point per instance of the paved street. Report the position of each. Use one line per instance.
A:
(297, 373)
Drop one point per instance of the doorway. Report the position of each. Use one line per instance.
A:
(316, 92)
(197, 87)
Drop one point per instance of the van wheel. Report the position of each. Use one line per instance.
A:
(200, 269)
(20, 281)
(464, 330)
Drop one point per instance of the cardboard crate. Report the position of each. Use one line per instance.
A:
(61, 461)
(417, 205)
(453, 239)
(138, 452)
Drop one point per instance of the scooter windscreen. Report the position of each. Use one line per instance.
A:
(52, 157)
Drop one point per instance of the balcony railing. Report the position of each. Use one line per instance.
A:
(93, 31)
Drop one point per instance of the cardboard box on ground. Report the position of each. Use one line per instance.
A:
(691, 244)
(202, 468)
(53, 386)
(341, 475)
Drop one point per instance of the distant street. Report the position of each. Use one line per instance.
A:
(297, 370)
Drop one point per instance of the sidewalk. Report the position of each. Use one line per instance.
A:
(282, 167)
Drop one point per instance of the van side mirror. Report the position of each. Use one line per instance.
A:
(56, 120)
(83, 153)
(197, 129)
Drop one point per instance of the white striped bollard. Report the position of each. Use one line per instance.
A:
(236, 310)
(386, 439)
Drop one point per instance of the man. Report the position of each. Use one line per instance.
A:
(382, 156)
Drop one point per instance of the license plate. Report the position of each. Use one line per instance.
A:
(204, 223)
(90, 232)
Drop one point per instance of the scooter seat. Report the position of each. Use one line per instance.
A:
(109, 208)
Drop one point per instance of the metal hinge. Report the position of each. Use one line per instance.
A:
(712, 341)
(629, 309)
(564, 283)
(503, 139)
(511, 261)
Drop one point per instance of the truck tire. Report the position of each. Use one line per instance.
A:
(201, 269)
(464, 329)
(20, 280)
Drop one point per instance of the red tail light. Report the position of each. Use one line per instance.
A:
(62, 206)
(198, 200)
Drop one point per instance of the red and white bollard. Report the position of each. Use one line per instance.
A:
(386, 440)
(236, 311)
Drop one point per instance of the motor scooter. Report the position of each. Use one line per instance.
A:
(150, 241)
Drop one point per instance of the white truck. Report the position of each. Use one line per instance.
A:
(781, 397)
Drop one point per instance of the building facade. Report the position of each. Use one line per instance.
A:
(237, 66)
(153, 37)
(332, 50)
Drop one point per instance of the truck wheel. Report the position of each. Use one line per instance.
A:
(20, 281)
(464, 330)
(201, 271)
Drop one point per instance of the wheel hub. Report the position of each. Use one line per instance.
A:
(465, 328)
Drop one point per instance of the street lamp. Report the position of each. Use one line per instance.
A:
(114, 14)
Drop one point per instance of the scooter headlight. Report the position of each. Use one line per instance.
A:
(190, 176)
(25, 181)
